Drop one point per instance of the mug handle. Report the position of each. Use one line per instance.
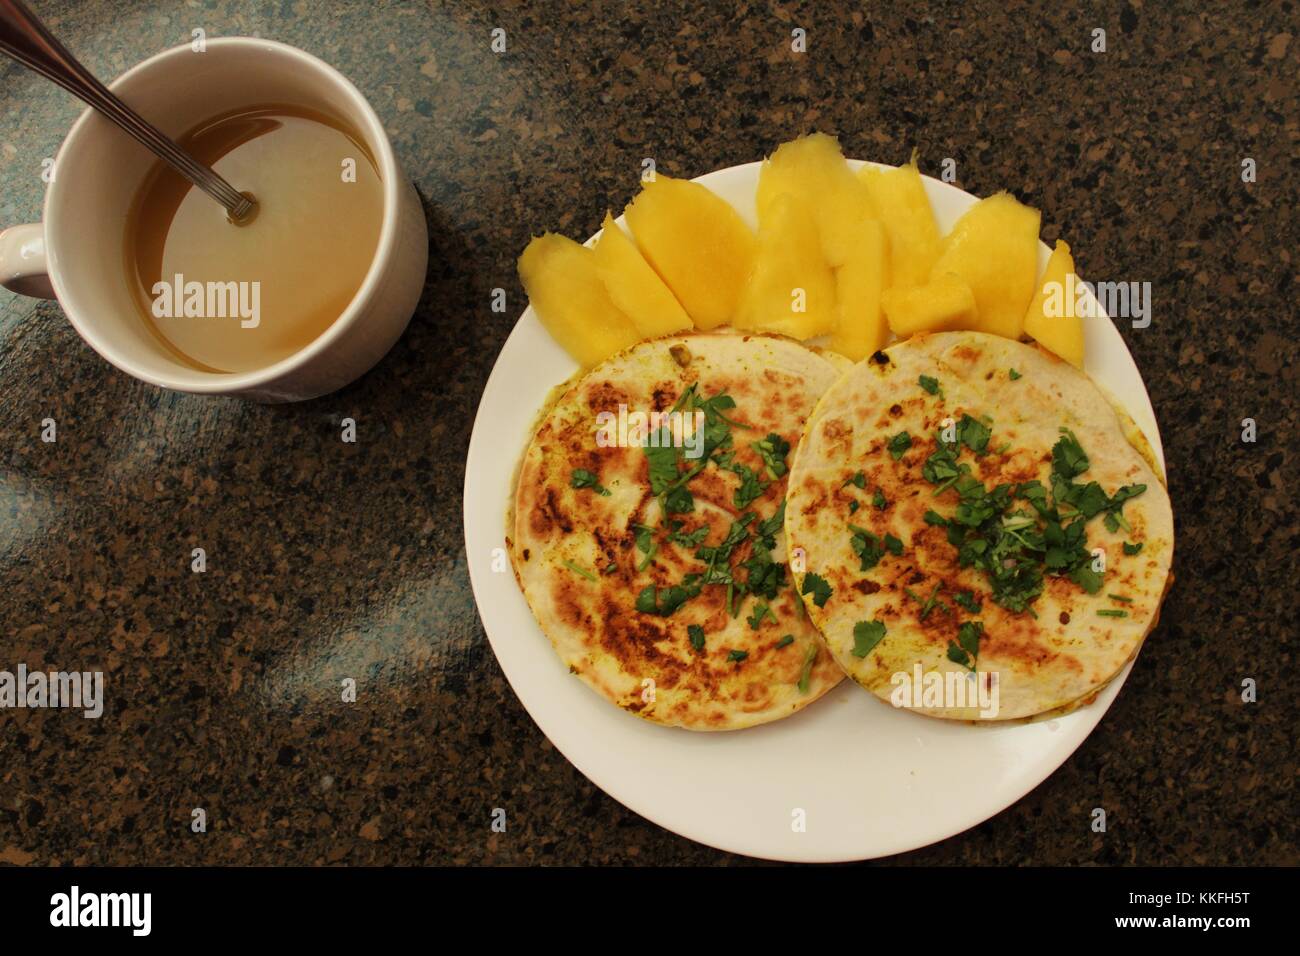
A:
(22, 261)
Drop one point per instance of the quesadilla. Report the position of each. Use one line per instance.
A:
(647, 530)
(972, 513)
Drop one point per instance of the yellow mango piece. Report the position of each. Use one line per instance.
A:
(945, 304)
(634, 287)
(860, 327)
(562, 284)
(791, 289)
(1051, 317)
(899, 198)
(994, 247)
(697, 244)
(813, 170)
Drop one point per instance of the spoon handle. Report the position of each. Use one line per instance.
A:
(27, 40)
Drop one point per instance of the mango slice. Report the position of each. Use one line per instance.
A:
(899, 198)
(634, 287)
(994, 248)
(566, 292)
(943, 305)
(791, 289)
(813, 170)
(697, 244)
(860, 327)
(1051, 318)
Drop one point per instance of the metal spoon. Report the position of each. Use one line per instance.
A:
(27, 40)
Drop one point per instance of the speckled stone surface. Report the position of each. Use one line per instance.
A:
(328, 560)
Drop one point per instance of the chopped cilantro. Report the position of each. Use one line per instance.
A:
(931, 385)
(966, 599)
(785, 641)
(580, 571)
(974, 434)
(1068, 456)
(1014, 375)
(816, 586)
(664, 601)
(1107, 612)
(853, 506)
(646, 544)
(662, 462)
(878, 499)
(735, 535)
(857, 479)
(755, 620)
(688, 539)
(766, 530)
(867, 546)
(930, 603)
(866, 635)
(899, 444)
(697, 636)
(893, 545)
(581, 478)
(1014, 546)
(751, 487)
(805, 675)
(773, 450)
(737, 656)
(966, 650)
(1132, 548)
(1086, 578)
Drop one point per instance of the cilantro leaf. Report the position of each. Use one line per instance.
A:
(581, 478)
(1068, 456)
(974, 434)
(773, 450)
(818, 587)
(867, 546)
(966, 649)
(755, 620)
(1086, 578)
(751, 487)
(866, 635)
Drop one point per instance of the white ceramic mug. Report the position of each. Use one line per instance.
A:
(76, 254)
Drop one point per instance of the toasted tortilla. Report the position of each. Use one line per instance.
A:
(575, 551)
(1061, 656)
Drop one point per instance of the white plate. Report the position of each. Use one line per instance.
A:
(871, 780)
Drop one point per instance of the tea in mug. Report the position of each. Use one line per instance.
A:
(227, 297)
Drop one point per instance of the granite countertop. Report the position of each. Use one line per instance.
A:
(327, 559)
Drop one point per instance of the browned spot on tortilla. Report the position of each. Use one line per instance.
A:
(606, 396)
